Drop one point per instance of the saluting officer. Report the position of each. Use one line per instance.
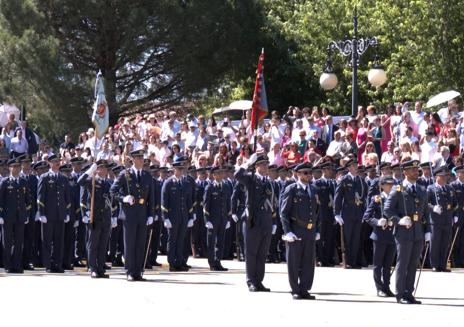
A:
(30, 241)
(14, 207)
(382, 236)
(348, 210)
(407, 207)
(300, 220)
(458, 187)
(53, 198)
(177, 214)
(133, 188)
(216, 208)
(442, 204)
(100, 227)
(259, 224)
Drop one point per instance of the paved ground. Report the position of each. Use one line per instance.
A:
(208, 298)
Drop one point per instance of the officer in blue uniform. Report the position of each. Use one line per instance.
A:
(40, 168)
(276, 238)
(54, 201)
(259, 224)
(216, 208)
(189, 190)
(325, 187)
(407, 208)
(426, 179)
(134, 190)
(177, 214)
(157, 224)
(14, 207)
(442, 204)
(100, 227)
(82, 235)
(116, 248)
(199, 246)
(382, 236)
(300, 214)
(238, 201)
(30, 244)
(458, 218)
(349, 206)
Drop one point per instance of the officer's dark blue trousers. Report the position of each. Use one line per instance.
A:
(407, 259)
(135, 234)
(81, 240)
(301, 261)
(30, 246)
(13, 240)
(52, 243)
(99, 235)
(215, 242)
(441, 236)
(327, 241)
(384, 254)
(155, 240)
(69, 243)
(257, 241)
(352, 231)
(116, 241)
(175, 243)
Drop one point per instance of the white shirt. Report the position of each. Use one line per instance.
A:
(387, 157)
(18, 145)
(428, 151)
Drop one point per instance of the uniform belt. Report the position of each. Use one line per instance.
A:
(302, 223)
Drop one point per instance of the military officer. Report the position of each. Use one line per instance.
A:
(325, 187)
(76, 214)
(216, 208)
(458, 187)
(442, 204)
(238, 202)
(397, 173)
(40, 168)
(426, 179)
(300, 219)
(199, 246)
(348, 210)
(133, 188)
(374, 188)
(14, 207)
(382, 236)
(177, 214)
(156, 226)
(100, 227)
(30, 241)
(116, 248)
(407, 207)
(276, 238)
(259, 224)
(54, 201)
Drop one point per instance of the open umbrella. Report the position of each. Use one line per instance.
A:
(241, 105)
(442, 98)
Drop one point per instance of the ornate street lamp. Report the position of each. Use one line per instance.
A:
(354, 49)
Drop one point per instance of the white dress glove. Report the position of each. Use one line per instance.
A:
(437, 209)
(167, 223)
(114, 222)
(190, 223)
(156, 218)
(37, 216)
(128, 199)
(85, 219)
(339, 220)
(66, 219)
(194, 216)
(382, 222)
(208, 225)
(1, 221)
(274, 229)
(318, 236)
(456, 219)
(289, 237)
(43, 219)
(228, 225)
(26, 222)
(92, 169)
(234, 217)
(428, 236)
(405, 221)
(149, 221)
(76, 224)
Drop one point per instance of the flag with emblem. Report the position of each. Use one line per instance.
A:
(259, 107)
(100, 116)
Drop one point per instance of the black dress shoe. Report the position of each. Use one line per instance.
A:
(157, 264)
(68, 267)
(79, 264)
(389, 293)
(94, 274)
(172, 268)
(183, 268)
(148, 266)
(29, 267)
(445, 270)
(296, 296)
(413, 300)
(59, 270)
(435, 269)
(221, 268)
(106, 267)
(117, 263)
(308, 296)
(403, 301)
(253, 288)
(130, 278)
(262, 288)
(381, 294)
(139, 279)
(103, 275)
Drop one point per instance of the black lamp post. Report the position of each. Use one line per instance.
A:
(354, 49)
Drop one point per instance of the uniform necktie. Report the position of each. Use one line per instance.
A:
(413, 188)
(138, 177)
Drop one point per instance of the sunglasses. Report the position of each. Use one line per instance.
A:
(306, 173)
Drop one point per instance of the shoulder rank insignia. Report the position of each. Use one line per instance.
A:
(398, 188)
(377, 199)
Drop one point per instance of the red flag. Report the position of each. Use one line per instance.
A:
(259, 107)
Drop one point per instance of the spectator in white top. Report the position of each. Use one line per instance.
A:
(18, 144)
(335, 146)
(417, 115)
(296, 130)
(388, 155)
(424, 125)
(191, 137)
(428, 148)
